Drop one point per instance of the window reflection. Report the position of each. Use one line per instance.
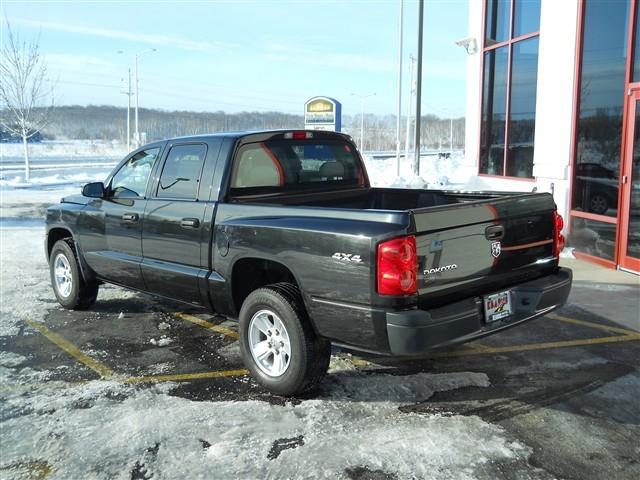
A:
(522, 115)
(494, 111)
(593, 237)
(526, 17)
(497, 21)
(599, 132)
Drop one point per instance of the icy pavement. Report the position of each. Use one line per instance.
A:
(105, 430)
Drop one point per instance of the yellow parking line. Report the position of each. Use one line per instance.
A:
(599, 326)
(38, 470)
(180, 377)
(477, 346)
(211, 326)
(71, 349)
(538, 346)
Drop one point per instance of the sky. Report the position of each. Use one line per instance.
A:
(246, 55)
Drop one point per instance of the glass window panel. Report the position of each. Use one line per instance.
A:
(593, 237)
(497, 21)
(494, 101)
(522, 115)
(526, 17)
(599, 132)
(181, 172)
(131, 180)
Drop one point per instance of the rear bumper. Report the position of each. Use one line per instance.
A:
(414, 332)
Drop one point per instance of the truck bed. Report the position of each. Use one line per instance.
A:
(452, 231)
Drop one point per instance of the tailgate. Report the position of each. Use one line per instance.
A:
(474, 248)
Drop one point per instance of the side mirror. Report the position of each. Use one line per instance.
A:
(94, 190)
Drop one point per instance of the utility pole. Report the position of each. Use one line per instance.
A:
(138, 55)
(128, 94)
(362, 98)
(399, 110)
(451, 134)
(407, 145)
(137, 93)
(416, 140)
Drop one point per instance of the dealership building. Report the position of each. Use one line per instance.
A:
(553, 97)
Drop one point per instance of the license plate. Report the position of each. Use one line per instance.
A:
(497, 306)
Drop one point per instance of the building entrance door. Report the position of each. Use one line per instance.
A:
(629, 240)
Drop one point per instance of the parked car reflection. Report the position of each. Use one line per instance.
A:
(595, 188)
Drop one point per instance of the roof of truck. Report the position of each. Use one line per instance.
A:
(239, 134)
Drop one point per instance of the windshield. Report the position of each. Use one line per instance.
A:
(289, 165)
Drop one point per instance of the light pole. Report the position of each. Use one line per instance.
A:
(362, 98)
(137, 55)
(416, 141)
(399, 108)
(409, 109)
(137, 93)
(128, 94)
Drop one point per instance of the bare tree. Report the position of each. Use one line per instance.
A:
(25, 91)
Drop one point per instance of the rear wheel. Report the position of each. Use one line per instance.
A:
(278, 344)
(599, 203)
(71, 290)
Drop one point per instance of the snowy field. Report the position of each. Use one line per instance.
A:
(100, 429)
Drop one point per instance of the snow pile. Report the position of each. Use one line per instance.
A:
(435, 172)
(108, 430)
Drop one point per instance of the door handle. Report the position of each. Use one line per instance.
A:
(190, 223)
(130, 217)
(494, 232)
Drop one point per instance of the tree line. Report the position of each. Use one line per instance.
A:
(110, 123)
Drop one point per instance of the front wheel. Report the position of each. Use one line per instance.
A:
(278, 344)
(71, 290)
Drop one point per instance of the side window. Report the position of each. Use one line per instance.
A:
(131, 179)
(181, 172)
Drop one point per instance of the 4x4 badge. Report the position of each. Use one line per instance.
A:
(496, 248)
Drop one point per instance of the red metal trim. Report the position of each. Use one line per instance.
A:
(632, 264)
(594, 216)
(526, 36)
(632, 96)
(528, 245)
(484, 26)
(507, 177)
(507, 111)
(624, 205)
(577, 73)
(603, 262)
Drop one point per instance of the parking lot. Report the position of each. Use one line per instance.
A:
(137, 388)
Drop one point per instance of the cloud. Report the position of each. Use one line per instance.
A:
(149, 39)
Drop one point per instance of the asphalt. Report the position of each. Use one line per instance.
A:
(567, 385)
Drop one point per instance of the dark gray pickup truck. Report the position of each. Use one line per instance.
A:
(282, 230)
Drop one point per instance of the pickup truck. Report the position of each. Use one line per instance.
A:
(283, 231)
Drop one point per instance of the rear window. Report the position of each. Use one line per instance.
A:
(289, 165)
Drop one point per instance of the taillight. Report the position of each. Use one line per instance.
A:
(300, 135)
(558, 238)
(398, 266)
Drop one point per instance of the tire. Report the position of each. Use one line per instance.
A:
(70, 289)
(283, 371)
(598, 203)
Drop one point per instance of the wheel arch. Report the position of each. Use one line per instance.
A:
(250, 273)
